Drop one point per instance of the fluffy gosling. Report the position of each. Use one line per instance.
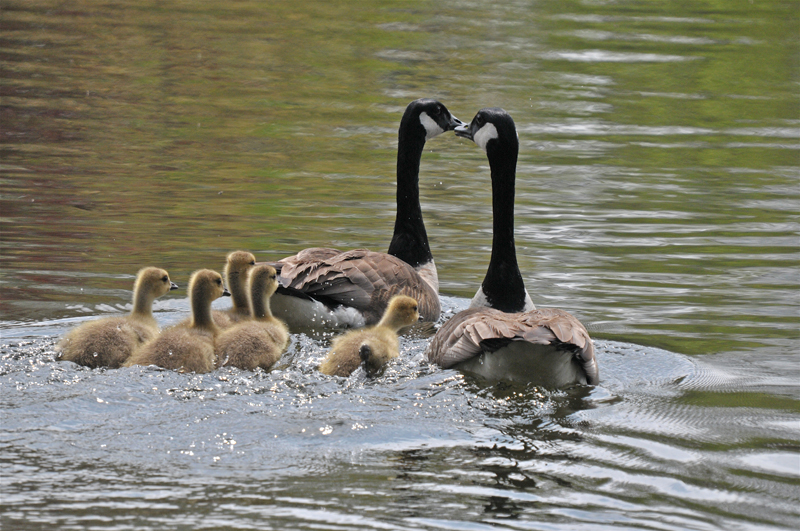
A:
(260, 342)
(373, 346)
(188, 348)
(110, 341)
(237, 267)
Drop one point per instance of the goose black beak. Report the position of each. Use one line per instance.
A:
(225, 292)
(463, 131)
(172, 286)
(454, 122)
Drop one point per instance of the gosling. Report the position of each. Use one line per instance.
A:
(237, 267)
(110, 341)
(260, 342)
(373, 346)
(188, 348)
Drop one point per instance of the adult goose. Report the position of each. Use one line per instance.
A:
(502, 336)
(324, 288)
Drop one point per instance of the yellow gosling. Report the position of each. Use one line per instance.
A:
(260, 342)
(237, 267)
(374, 346)
(188, 348)
(110, 341)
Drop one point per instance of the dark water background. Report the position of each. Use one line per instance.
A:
(657, 200)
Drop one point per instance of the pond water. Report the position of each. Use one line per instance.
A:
(657, 200)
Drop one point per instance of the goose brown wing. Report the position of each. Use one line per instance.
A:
(360, 278)
(478, 330)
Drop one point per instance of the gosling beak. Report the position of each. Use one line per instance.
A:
(454, 122)
(172, 286)
(463, 131)
(225, 292)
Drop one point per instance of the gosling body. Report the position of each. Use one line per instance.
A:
(110, 341)
(260, 341)
(188, 348)
(374, 346)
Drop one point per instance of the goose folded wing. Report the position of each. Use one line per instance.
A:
(360, 278)
(568, 334)
(478, 330)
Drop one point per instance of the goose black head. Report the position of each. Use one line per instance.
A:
(491, 127)
(431, 115)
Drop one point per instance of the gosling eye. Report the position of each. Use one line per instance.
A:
(415, 308)
(165, 278)
(253, 262)
(218, 281)
(273, 277)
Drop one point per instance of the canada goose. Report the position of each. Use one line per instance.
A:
(237, 266)
(260, 342)
(188, 348)
(110, 341)
(501, 336)
(374, 346)
(326, 288)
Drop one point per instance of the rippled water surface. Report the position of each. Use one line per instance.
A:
(657, 200)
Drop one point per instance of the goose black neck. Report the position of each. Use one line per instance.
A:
(503, 285)
(410, 240)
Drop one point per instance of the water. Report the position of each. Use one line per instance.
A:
(657, 200)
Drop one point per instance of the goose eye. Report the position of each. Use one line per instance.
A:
(219, 282)
(273, 277)
(165, 279)
(415, 308)
(253, 262)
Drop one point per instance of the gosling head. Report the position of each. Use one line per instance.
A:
(492, 128)
(153, 280)
(265, 279)
(207, 284)
(238, 263)
(431, 115)
(402, 311)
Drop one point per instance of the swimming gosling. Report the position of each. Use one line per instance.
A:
(237, 267)
(374, 346)
(188, 349)
(260, 342)
(108, 342)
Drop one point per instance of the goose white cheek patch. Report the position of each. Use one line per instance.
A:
(430, 125)
(484, 134)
